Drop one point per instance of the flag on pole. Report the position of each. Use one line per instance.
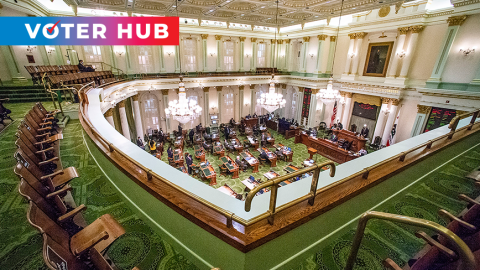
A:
(334, 116)
(391, 139)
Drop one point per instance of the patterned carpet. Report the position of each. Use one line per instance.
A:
(21, 244)
(383, 239)
(300, 153)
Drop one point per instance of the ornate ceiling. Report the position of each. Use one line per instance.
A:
(258, 12)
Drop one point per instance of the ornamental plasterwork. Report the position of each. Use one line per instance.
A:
(299, 15)
(241, 5)
(384, 11)
(423, 109)
(456, 20)
(254, 18)
(150, 5)
(224, 14)
(203, 2)
(272, 11)
(108, 2)
(190, 10)
(369, 88)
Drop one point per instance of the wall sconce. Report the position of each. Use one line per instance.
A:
(169, 53)
(119, 53)
(51, 50)
(401, 54)
(351, 55)
(387, 111)
(213, 110)
(467, 51)
(30, 49)
(247, 55)
(311, 55)
(212, 54)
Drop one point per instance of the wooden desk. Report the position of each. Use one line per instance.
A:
(232, 134)
(271, 174)
(358, 142)
(326, 148)
(292, 132)
(312, 152)
(248, 131)
(218, 150)
(209, 173)
(288, 154)
(182, 169)
(227, 190)
(179, 143)
(215, 137)
(271, 156)
(231, 167)
(178, 157)
(270, 138)
(290, 169)
(272, 124)
(251, 122)
(199, 153)
(236, 143)
(251, 160)
(253, 142)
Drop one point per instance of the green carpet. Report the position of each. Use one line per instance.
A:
(383, 239)
(21, 244)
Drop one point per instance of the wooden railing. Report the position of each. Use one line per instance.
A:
(244, 238)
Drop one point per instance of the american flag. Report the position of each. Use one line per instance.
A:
(334, 114)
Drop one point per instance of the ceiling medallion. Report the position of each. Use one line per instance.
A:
(384, 11)
(299, 15)
(203, 2)
(241, 6)
(150, 5)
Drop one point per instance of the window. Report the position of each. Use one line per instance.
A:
(228, 105)
(150, 104)
(228, 54)
(92, 54)
(258, 107)
(294, 105)
(190, 52)
(261, 54)
(145, 59)
(192, 94)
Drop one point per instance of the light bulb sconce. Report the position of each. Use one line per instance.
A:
(352, 55)
(212, 54)
(50, 51)
(401, 54)
(119, 53)
(247, 55)
(467, 52)
(311, 55)
(30, 49)
(169, 53)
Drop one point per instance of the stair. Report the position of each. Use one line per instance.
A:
(18, 94)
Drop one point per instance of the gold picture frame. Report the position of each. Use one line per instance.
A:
(378, 58)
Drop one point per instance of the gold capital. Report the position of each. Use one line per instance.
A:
(361, 35)
(165, 92)
(403, 30)
(315, 91)
(385, 100)
(395, 101)
(135, 97)
(204, 36)
(241, 87)
(417, 28)
(206, 89)
(352, 35)
(219, 88)
(423, 109)
(333, 38)
(242, 39)
(287, 41)
(301, 89)
(284, 85)
(456, 20)
(253, 39)
(108, 113)
(322, 37)
(348, 95)
(279, 41)
(306, 39)
(218, 37)
(121, 104)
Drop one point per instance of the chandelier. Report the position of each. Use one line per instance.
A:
(271, 101)
(329, 94)
(183, 110)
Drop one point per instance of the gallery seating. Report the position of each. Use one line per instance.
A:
(67, 74)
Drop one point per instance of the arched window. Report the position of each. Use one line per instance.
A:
(192, 94)
(258, 108)
(228, 106)
(150, 108)
(261, 54)
(190, 54)
(92, 54)
(228, 54)
(293, 109)
(145, 59)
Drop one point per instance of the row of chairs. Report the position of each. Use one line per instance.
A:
(100, 77)
(438, 254)
(68, 241)
(37, 72)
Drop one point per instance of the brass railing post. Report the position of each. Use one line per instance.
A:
(313, 187)
(273, 202)
(472, 122)
(464, 252)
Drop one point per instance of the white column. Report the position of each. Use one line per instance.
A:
(253, 98)
(358, 47)
(204, 53)
(303, 67)
(346, 110)
(286, 66)
(253, 60)
(410, 50)
(109, 117)
(273, 47)
(177, 58)
(349, 53)
(392, 72)
(313, 108)
(206, 107)
(219, 52)
(299, 104)
(220, 103)
(12, 64)
(241, 102)
(242, 53)
(331, 52)
(123, 120)
(321, 45)
(420, 120)
(165, 105)
(138, 116)
(162, 59)
(390, 121)
(381, 119)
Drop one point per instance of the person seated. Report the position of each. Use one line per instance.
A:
(206, 146)
(83, 68)
(228, 146)
(263, 155)
(362, 152)
(232, 122)
(140, 142)
(334, 138)
(153, 147)
(248, 116)
(313, 133)
(254, 115)
(241, 164)
(170, 152)
(280, 154)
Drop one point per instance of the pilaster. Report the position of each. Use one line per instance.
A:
(218, 39)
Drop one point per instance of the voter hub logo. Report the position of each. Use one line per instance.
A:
(89, 31)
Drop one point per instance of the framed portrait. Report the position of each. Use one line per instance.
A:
(378, 56)
(30, 59)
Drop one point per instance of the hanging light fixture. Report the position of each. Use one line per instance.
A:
(182, 109)
(271, 101)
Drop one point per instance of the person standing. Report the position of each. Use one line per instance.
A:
(139, 142)
(191, 134)
(180, 129)
(189, 162)
(153, 147)
(226, 132)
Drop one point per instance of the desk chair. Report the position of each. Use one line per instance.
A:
(223, 170)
